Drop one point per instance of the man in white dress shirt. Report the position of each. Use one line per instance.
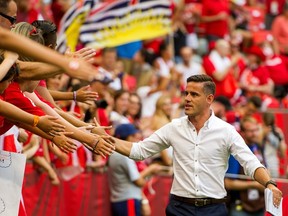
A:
(202, 144)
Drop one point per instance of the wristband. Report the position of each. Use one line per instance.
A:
(93, 149)
(271, 182)
(74, 96)
(35, 120)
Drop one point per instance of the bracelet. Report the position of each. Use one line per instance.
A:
(93, 149)
(52, 140)
(74, 96)
(35, 120)
(271, 182)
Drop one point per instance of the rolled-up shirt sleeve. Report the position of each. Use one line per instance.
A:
(154, 144)
(243, 154)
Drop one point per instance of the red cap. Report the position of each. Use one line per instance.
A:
(255, 50)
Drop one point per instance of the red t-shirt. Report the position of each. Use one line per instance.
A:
(277, 70)
(257, 18)
(227, 87)
(211, 8)
(260, 76)
(192, 7)
(275, 7)
(14, 95)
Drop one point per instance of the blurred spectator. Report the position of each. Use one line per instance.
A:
(161, 117)
(256, 11)
(28, 11)
(280, 30)
(239, 15)
(273, 144)
(215, 16)
(221, 105)
(126, 52)
(103, 106)
(277, 66)
(121, 102)
(236, 43)
(49, 31)
(250, 109)
(164, 63)
(255, 79)
(57, 11)
(220, 67)
(125, 181)
(108, 67)
(246, 197)
(134, 110)
(187, 67)
(191, 18)
(160, 81)
(8, 8)
(273, 9)
(142, 67)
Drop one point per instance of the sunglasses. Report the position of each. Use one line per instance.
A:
(11, 19)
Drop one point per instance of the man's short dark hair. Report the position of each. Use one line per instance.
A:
(209, 85)
(255, 100)
(48, 30)
(4, 6)
(224, 101)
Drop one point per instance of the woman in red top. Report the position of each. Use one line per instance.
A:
(10, 113)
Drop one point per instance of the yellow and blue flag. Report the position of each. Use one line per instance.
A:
(114, 23)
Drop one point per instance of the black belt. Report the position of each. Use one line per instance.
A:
(198, 201)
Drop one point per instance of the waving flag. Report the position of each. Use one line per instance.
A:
(114, 23)
(70, 24)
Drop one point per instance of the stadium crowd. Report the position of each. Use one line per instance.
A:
(139, 87)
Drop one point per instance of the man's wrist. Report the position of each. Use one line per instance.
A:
(272, 182)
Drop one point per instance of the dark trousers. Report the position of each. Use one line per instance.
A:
(130, 207)
(178, 208)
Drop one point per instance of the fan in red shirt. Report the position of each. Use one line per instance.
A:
(255, 79)
(277, 66)
(220, 67)
(215, 16)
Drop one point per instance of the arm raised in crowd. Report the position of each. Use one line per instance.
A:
(74, 68)
(94, 143)
(61, 140)
(9, 59)
(81, 95)
(14, 114)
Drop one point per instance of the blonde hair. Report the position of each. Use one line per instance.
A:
(161, 100)
(160, 118)
(27, 30)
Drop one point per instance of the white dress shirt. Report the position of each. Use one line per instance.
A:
(200, 161)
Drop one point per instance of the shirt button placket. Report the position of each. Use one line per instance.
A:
(196, 159)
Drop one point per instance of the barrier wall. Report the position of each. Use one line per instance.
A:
(84, 195)
(88, 194)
